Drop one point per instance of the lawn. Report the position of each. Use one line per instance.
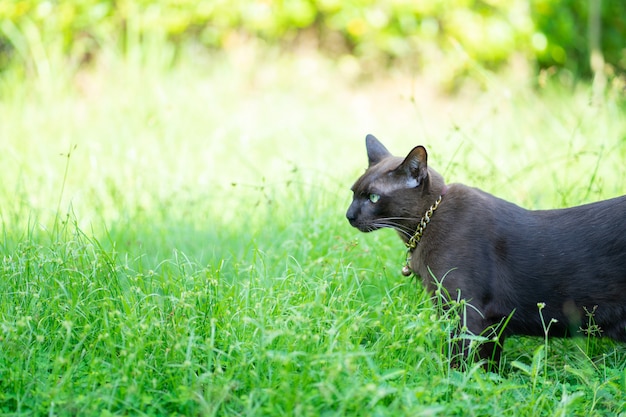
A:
(174, 241)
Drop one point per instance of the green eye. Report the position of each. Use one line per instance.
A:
(374, 198)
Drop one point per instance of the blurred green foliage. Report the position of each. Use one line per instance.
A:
(562, 34)
(454, 34)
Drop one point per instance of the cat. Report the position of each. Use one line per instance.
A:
(507, 262)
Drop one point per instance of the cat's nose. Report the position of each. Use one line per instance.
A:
(351, 214)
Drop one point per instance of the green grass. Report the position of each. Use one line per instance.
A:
(174, 243)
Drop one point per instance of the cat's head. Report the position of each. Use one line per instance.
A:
(393, 192)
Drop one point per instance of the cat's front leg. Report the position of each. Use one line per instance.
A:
(474, 340)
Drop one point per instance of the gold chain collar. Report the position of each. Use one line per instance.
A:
(411, 244)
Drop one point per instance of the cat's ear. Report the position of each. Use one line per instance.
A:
(376, 151)
(415, 165)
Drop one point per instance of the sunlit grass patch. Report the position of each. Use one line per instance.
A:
(174, 242)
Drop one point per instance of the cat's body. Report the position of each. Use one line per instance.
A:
(502, 259)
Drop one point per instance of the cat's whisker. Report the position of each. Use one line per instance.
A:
(393, 224)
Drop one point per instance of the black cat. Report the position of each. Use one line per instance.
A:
(502, 259)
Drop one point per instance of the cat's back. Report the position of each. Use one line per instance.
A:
(570, 241)
(589, 221)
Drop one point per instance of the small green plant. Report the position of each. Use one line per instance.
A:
(539, 365)
(591, 330)
(546, 333)
(58, 215)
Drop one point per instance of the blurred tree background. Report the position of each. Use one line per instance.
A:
(450, 35)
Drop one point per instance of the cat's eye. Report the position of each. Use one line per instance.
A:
(374, 197)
